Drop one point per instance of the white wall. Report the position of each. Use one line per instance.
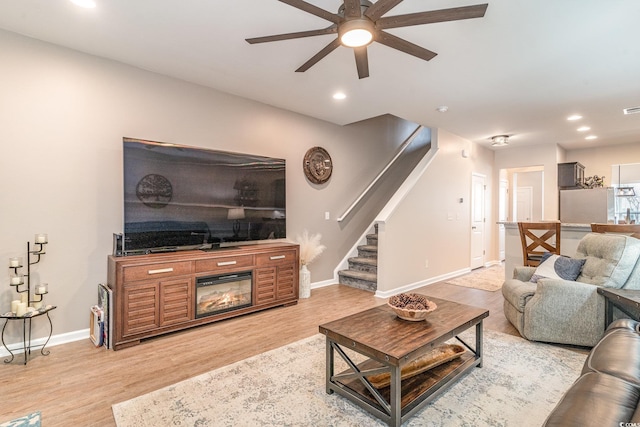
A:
(547, 156)
(64, 115)
(420, 229)
(533, 180)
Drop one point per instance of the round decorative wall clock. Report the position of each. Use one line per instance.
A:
(317, 165)
(154, 191)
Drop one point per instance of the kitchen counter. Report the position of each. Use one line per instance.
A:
(570, 236)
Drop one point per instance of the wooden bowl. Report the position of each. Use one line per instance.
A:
(413, 315)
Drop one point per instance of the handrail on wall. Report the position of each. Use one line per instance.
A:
(403, 147)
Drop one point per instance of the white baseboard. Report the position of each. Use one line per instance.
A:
(429, 281)
(17, 348)
(323, 283)
(83, 334)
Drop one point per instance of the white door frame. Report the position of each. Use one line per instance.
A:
(478, 217)
(503, 215)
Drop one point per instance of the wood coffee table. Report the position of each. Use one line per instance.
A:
(390, 343)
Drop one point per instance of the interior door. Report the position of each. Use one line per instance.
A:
(477, 220)
(524, 204)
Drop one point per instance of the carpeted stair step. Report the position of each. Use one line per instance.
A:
(368, 251)
(368, 265)
(358, 279)
(372, 239)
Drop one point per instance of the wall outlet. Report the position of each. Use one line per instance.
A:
(327, 215)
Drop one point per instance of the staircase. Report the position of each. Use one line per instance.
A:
(363, 269)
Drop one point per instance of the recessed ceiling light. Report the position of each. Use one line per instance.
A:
(583, 128)
(85, 3)
(574, 117)
(591, 137)
(339, 95)
(442, 109)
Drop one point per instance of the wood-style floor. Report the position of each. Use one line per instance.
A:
(77, 383)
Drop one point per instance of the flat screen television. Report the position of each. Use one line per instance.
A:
(178, 197)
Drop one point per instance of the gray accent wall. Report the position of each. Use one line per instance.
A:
(64, 114)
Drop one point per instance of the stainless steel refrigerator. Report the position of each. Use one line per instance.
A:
(585, 206)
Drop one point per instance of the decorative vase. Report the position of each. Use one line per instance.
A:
(305, 282)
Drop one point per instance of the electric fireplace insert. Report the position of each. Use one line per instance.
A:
(221, 293)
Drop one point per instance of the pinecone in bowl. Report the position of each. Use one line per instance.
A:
(411, 306)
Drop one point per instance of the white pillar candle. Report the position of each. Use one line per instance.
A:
(41, 238)
(42, 289)
(14, 305)
(24, 297)
(15, 262)
(22, 309)
(17, 279)
(36, 304)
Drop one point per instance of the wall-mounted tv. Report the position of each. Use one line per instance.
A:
(178, 197)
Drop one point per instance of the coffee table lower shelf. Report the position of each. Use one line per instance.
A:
(415, 392)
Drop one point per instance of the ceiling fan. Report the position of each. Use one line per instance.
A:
(359, 23)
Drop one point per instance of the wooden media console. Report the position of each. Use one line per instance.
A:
(156, 294)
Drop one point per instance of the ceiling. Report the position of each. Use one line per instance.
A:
(521, 70)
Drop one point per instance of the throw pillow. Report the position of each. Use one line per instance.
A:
(558, 267)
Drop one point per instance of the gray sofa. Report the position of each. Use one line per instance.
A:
(572, 312)
(607, 393)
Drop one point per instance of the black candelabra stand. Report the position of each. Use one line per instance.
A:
(18, 280)
(29, 305)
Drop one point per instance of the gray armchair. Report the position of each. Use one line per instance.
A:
(572, 312)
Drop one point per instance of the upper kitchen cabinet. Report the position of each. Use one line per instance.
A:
(570, 175)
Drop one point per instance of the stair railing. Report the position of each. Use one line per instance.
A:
(402, 148)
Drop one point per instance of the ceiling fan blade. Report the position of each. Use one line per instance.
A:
(331, 30)
(352, 9)
(318, 56)
(443, 15)
(314, 10)
(379, 8)
(404, 46)
(362, 61)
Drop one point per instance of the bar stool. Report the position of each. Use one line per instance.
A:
(538, 238)
(631, 229)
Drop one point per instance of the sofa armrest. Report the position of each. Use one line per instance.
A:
(523, 274)
(518, 293)
(565, 312)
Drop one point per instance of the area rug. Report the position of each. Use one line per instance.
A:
(487, 279)
(519, 384)
(31, 420)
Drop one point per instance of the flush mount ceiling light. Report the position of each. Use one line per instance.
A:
(499, 140)
(583, 128)
(591, 137)
(442, 109)
(339, 95)
(359, 23)
(631, 110)
(574, 117)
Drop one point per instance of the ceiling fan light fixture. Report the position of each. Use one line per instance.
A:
(499, 140)
(356, 32)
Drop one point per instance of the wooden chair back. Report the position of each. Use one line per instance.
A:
(538, 238)
(631, 229)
